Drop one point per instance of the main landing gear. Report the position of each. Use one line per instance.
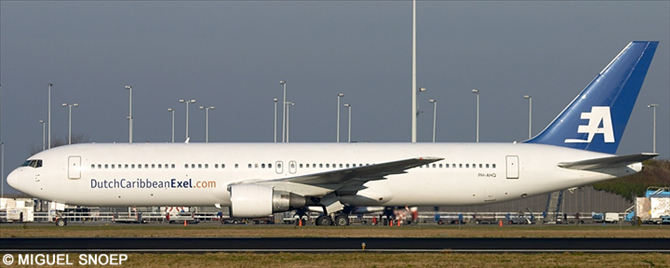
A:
(338, 220)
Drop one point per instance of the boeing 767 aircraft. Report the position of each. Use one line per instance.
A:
(257, 179)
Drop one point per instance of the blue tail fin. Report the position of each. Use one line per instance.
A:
(596, 119)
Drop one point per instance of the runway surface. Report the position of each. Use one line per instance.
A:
(527, 245)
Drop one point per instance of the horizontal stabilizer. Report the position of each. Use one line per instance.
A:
(607, 162)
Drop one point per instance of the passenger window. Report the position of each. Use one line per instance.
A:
(487, 165)
(106, 166)
(237, 165)
(494, 165)
(92, 165)
(172, 165)
(199, 165)
(269, 165)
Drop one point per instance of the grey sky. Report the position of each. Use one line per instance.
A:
(232, 55)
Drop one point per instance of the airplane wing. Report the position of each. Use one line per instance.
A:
(342, 180)
(609, 161)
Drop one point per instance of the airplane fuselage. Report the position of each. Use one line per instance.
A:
(199, 174)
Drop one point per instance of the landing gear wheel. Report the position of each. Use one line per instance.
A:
(324, 220)
(341, 220)
(60, 222)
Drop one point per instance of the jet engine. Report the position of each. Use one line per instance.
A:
(253, 201)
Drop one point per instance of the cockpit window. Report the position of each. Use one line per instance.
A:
(36, 163)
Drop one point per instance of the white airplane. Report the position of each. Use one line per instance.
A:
(257, 179)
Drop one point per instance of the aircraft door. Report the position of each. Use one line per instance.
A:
(512, 166)
(292, 167)
(279, 167)
(74, 167)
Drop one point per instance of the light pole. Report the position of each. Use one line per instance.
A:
(434, 102)
(476, 91)
(530, 114)
(349, 135)
(653, 106)
(43, 134)
(187, 102)
(206, 121)
(172, 112)
(69, 132)
(2, 170)
(130, 115)
(338, 115)
(2, 154)
(275, 119)
(283, 116)
(287, 118)
(414, 108)
(49, 116)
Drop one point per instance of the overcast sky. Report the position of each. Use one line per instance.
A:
(232, 55)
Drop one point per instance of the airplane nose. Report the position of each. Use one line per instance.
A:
(13, 179)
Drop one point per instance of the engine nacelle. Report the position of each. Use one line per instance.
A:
(253, 201)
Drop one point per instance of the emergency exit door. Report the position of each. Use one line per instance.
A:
(512, 166)
(74, 167)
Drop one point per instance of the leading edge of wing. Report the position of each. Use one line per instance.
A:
(361, 173)
(609, 161)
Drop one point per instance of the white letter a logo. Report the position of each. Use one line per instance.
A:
(599, 116)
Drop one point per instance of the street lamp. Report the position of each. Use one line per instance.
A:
(653, 106)
(172, 112)
(287, 118)
(476, 91)
(434, 102)
(338, 115)
(49, 116)
(187, 102)
(206, 121)
(69, 133)
(275, 119)
(349, 135)
(283, 116)
(130, 115)
(415, 110)
(530, 114)
(43, 134)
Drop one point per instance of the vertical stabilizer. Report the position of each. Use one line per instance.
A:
(596, 119)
